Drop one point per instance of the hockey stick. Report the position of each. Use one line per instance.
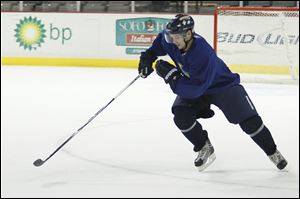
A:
(40, 162)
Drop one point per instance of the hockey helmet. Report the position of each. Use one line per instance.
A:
(179, 25)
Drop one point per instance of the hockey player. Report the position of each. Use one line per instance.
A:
(200, 79)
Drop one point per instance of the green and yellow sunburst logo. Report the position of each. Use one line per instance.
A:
(30, 33)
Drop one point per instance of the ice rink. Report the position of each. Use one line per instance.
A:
(133, 148)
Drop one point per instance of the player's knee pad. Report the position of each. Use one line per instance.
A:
(184, 117)
(252, 125)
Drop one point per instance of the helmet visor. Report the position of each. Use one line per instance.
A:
(174, 37)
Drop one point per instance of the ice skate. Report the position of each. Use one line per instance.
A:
(278, 160)
(205, 156)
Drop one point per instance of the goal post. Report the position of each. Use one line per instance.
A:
(258, 39)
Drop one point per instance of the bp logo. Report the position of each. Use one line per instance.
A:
(30, 33)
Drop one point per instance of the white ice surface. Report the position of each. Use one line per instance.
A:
(133, 148)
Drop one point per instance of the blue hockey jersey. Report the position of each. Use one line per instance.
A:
(203, 72)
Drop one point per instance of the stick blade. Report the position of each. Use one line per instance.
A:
(38, 162)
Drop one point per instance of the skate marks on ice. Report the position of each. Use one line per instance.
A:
(212, 176)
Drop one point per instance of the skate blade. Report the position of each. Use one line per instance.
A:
(210, 160)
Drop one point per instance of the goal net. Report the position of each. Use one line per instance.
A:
(253, 40)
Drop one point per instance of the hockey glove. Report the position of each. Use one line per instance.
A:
(166, 70)
(145, 65)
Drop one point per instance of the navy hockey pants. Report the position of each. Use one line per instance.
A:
(234, 102)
